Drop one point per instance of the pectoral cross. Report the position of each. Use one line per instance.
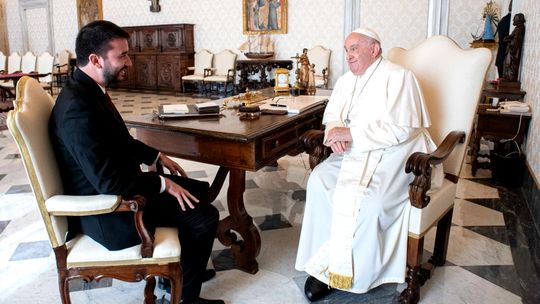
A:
(155, 7)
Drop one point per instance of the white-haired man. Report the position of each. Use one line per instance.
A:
(354, 233)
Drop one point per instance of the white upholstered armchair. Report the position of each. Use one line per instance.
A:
(320, 56)
(223, 70)
(201, 70)
(82, 257)
(451, 80)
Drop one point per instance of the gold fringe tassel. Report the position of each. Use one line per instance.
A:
(340, 281)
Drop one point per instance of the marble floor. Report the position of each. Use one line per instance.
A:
(489, 257)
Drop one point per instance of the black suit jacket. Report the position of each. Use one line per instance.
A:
(97, 155)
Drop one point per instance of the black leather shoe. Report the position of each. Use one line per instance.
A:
(204, 301)
(315, 289)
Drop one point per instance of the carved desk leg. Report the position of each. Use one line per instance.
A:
(245, 251)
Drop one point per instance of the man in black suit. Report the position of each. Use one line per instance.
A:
(97, 155)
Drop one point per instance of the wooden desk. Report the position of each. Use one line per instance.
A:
(261, 67)
(236, 146)
(496, 126)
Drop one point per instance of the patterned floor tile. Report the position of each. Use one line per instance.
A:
(31, 250)
(503, 276)
(3, 225)
(497, 233)
(272, 221)
(19, 189)
(78, 284)
(223, 260)
(12, 156)
(197, 174)
(384, 294)
(250, 184)
(218, 205)
(492, 203)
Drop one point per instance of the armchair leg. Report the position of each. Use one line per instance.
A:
(441, 239)
(411, 295)
(149, 297)
(63, 284)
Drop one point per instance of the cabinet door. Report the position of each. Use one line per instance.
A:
(145, 72)
(148, 40)
(172, 39)
(132, 41)
(169, 72)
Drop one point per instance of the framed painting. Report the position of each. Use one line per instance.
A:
(264, 17)
(88, 11)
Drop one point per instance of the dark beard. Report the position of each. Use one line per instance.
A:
(111, 77)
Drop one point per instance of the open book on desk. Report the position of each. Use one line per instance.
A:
(185, 111)
(293, 104)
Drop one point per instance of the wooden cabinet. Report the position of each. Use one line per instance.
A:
(160, 55)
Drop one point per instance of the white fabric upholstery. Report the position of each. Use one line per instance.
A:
(14, 63)
(81, 205)
(223, 62)
(28, 63)
(194, 77)
(84, 251)
(203, 60)
(442, 200)
(28, 123)
(451, 89)
(320, 56)
(62, 60)
(216, 79)
(45, 64)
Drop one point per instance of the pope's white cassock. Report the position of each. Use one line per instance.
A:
(354, 232)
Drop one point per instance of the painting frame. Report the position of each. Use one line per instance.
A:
(88, 11)
(251, 9)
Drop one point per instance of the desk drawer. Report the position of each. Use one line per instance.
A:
(278, 142)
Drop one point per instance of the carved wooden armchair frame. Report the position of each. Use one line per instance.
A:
(320, 56)
(82, 257)
(452, 92)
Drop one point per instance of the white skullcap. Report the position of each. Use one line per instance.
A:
(367, 32)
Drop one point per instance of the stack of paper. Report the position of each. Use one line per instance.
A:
(207, 107)
(175, 109)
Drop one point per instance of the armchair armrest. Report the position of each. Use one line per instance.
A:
(69, 205)
(82, 205)
(312, 142)
(420, 165)
(230, 74)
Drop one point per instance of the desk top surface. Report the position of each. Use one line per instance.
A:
(227, 126)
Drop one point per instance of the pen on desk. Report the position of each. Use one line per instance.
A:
(278, 105)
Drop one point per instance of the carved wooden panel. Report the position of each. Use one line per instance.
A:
(145, 72)
(132, 41)
(169, 72)
(160, 54)
(149, 40)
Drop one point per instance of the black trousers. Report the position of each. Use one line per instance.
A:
(196, 230)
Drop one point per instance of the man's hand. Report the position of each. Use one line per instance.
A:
(339, 139)
(339, 147)
(182, 195)
(171, 165)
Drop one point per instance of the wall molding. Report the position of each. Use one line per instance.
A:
(36, 4)
(437, 17)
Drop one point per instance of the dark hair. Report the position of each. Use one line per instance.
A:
(94, 38)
